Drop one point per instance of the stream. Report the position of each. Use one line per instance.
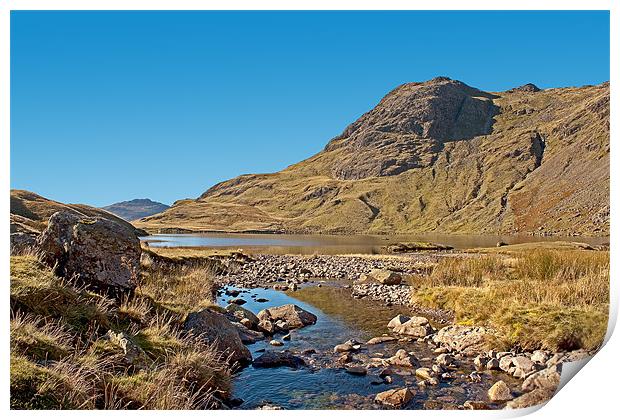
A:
(323, 384)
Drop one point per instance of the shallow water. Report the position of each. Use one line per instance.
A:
(339, 244)
(323, 385)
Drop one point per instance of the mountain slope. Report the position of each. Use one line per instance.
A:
(136, 209)
(436, 156)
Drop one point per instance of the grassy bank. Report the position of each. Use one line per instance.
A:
(553, 299)
(73, 349)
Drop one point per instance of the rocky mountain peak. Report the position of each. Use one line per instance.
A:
(528, 87)
(409, 126)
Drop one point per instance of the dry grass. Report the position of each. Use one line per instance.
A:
(545, 298)
(62, 358)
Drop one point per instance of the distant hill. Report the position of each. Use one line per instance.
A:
(30, 212)
(136, 209)
(437, 156)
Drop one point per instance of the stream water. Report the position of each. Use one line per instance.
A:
(323, 384)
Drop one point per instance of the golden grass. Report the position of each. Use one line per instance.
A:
(61, 357)
(544, 298)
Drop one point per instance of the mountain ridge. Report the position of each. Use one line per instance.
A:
(436, 156)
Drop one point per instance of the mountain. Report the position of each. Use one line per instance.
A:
(136, 209)
(30, 212)
(438, 156)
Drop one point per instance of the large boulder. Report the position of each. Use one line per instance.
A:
(214, 328)
(100, 253)
(466, 340)
(500, 392)
(292, 315)
(548, 379)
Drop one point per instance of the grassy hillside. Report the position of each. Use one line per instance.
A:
(74, 349)
(437, 156)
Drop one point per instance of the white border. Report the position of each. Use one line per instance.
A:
(592, 394)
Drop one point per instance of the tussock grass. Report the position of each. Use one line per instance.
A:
(180, 289)
(558, 300)
(62, 357)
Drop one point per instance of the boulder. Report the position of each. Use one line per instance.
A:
(293, 315)
(466, 340)
(214, 328)
(240, 313)
(397, 321)
(22, 242)
(396, 398)
(247, 335)
(416, 326)
(547, 379)
(100, 253)
(356, 370)
(271, 359)
(536, 397)
(444, 360)
(404, 359)
(424, 373)
(266, 327)
(387, 277)
(500, 392)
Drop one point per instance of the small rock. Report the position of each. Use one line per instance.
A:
(500, 392)
(276, 343)
(356, 370)
(396, 398)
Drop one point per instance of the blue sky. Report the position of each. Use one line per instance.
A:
(110, 106)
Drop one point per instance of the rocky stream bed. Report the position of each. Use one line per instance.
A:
(321, 338)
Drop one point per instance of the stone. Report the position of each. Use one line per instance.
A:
(536, 397)
(22, 242)
(540, 356)
(240, 313)
(505, 363)
(237, 301)
(500, 392)
(416, 326)
(215, 329)
(276, 343)
(293, 315)
(132, 353)
(396, 398)
(467, 340)
(397, 321)
(247, 323)
(480, 362)
(379, 340)
(102, 254)
(356, 370)
(272, 359)
(404, 359)
(387, 277)
(475, 405)
(286, 337)
(444, 360)
(524, 363)
(548, 378)
(424, 373)
(247, 335)
(493, 364)
(262, 300)
(266, 327)
(345, 347)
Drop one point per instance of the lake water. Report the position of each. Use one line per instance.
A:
(340, 244)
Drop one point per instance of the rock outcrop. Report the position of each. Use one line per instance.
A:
(214, 328)
(97, 252)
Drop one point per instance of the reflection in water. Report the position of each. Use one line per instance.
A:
(339, 244)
